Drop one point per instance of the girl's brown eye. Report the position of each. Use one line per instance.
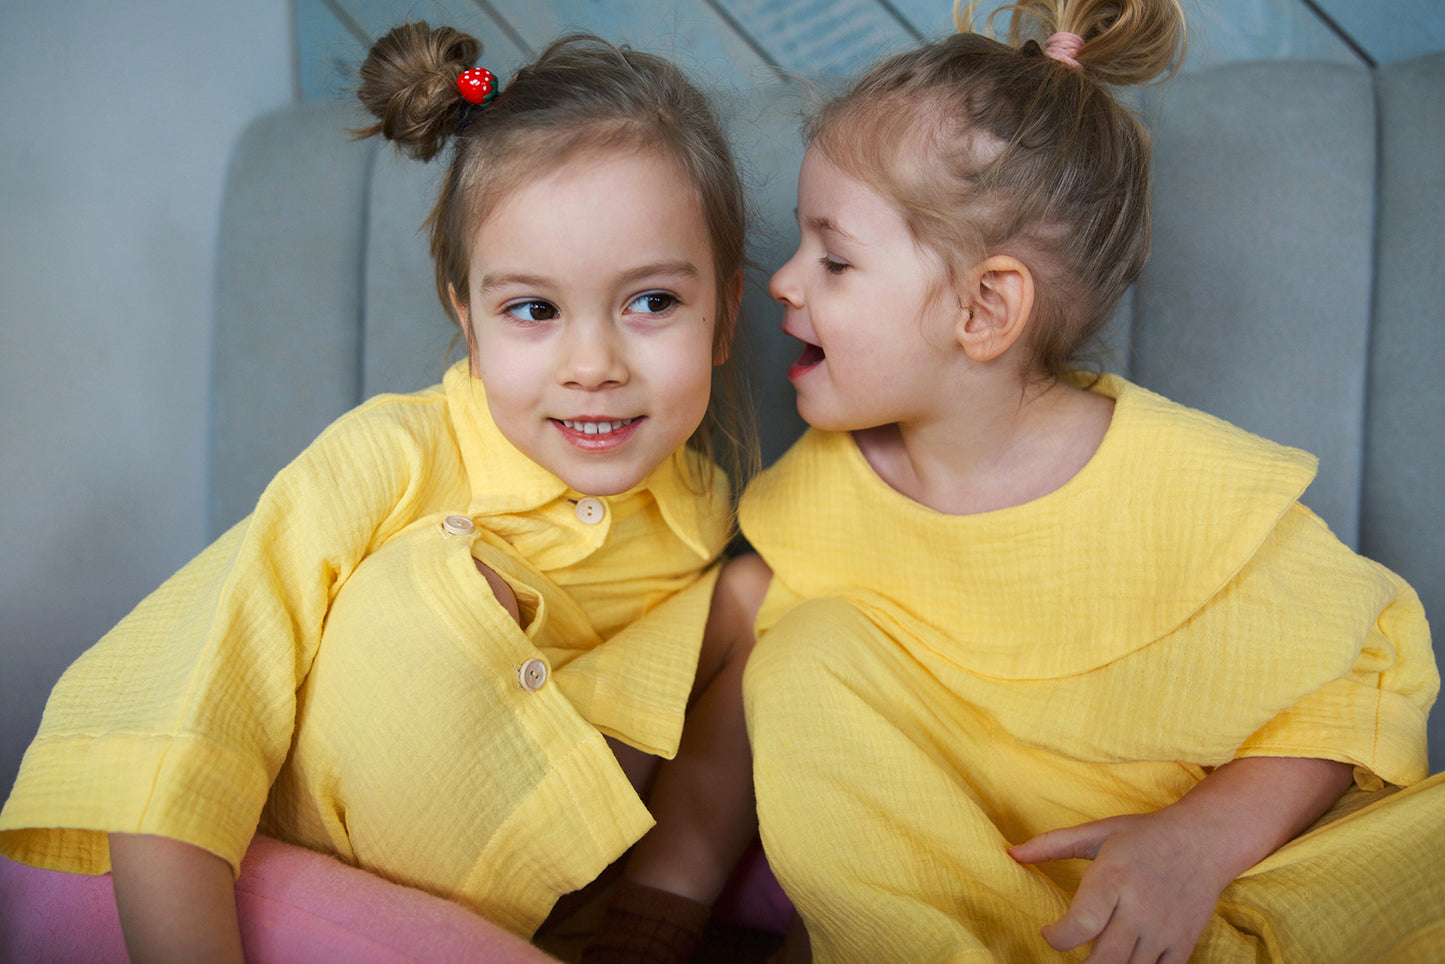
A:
(652, 303)
(532, 310)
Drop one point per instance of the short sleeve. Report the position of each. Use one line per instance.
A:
(1374, 715)
(178, 720)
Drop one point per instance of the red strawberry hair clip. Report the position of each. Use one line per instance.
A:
(477, 86)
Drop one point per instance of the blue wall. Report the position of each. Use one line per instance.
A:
(732, 41)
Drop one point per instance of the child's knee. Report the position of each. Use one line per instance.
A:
(501, 589)
(637, 765)
(750, 576)
(741, 587)
(728, 638)
(808, 647)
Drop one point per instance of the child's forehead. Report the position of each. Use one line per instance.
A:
(524, 173)
(644, 176)
(616, 215)
(829, 192)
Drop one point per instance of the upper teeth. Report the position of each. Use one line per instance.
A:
(596, 428)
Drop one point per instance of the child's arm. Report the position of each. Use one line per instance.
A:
(176, 902)
(1156, 877)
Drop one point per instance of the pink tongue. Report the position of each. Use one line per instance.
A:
(812, 354)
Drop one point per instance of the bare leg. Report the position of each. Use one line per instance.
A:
(501, 589)
(795, 949)
(703, 798)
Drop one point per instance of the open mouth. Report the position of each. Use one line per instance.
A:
(811, 358)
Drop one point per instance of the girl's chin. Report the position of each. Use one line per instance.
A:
(820, 417)
(823, 420)
(601, 486)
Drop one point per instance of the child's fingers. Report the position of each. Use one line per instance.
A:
(1120, 944)
(1081, 841)
(1085, 919)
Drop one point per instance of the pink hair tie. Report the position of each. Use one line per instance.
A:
(1064, 47)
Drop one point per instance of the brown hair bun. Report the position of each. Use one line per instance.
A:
(408, 83)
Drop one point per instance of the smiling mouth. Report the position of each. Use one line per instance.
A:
(588, 427)
(811, 358)
(599, 435)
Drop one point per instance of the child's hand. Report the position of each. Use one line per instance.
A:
(1157, 876)
(1148, 895)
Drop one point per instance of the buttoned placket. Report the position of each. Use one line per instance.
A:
(533, 672)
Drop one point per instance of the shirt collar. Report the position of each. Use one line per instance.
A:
(505, 481)
(1172, 506)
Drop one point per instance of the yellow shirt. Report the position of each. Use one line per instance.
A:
(337, 660)
(1178, 562)
(943, 685)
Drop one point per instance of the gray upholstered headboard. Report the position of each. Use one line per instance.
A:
(1296, 285)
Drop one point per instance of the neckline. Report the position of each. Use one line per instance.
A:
(1110, 386)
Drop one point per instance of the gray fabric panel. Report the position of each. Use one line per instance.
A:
(288, 289)
(1403, 517)
(1255, 305)
(408, 336)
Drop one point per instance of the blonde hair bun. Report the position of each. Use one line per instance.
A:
(1126, 42)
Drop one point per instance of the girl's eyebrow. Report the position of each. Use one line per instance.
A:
(491, 281)
(681, 269)
(826, 225)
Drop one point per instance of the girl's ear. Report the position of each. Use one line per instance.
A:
(464, 318)
(728, 316)
(998, 298)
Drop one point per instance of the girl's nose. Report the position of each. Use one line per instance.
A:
(592, 358)
(781, 285)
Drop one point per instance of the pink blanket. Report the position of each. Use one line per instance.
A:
(301, 907)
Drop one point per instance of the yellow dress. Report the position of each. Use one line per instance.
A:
(929, 689)
(335, 670)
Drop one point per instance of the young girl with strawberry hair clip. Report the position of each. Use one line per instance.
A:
(457, 633)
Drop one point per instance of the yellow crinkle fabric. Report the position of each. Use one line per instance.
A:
(941, 687)
(336, 670)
